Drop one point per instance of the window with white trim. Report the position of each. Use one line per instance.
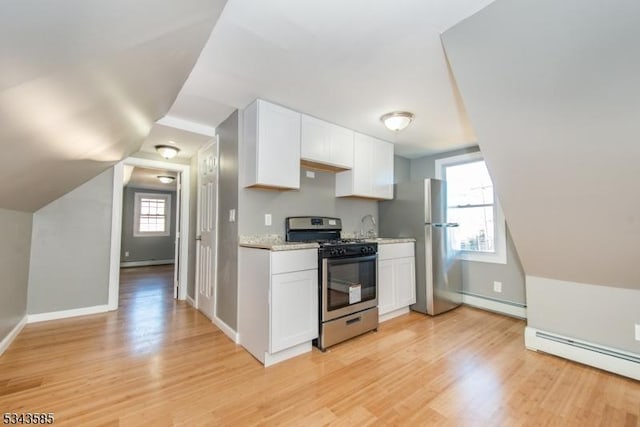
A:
(472, 203)
(152, 214)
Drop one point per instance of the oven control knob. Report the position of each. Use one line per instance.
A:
(363, 250)
(370, 250)
(343, 251)
(333, 252)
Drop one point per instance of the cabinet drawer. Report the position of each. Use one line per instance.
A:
(395, 250)
(297, 260)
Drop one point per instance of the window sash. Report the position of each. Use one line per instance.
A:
(152, 214)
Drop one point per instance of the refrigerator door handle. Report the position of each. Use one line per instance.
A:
(444, 224)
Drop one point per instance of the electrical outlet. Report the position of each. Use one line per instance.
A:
(637, 331)
(497, 286)
(267, 219)
(232, 215)
(126, 255)
(311, 174)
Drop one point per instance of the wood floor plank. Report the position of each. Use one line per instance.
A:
(157, 361)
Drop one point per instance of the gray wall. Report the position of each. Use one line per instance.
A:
(145, 248)
(401, 169)
(15, 247)
(478, 277)
(315, 197)
(227, 274)
(70, 249)
(597, 314)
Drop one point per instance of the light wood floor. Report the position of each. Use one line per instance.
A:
(159, 362)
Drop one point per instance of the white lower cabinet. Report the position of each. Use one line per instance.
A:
(396, 279)
(277, 302)
(294, 309)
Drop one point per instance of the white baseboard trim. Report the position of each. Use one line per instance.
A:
(606, 358)
(392, 314)
(493, 305)
(6, 341)
(146, 263)
(191, 301)
(233, 335)
(272, 359)
(64, 314)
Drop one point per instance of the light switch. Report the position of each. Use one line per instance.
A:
(497, 286)
(232, 215)
(637, 331)
(311, 174)
(267, 219)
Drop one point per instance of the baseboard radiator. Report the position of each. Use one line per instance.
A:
(602, 357)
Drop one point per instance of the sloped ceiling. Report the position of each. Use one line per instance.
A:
(553, 91)
(81, 83)
(347, 62)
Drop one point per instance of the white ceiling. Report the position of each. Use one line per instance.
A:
(187, 142)
(148, 179)
(81, 83)
(557, 116)
(347, 62)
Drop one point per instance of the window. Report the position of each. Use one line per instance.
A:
(472, 203)
(152, 216)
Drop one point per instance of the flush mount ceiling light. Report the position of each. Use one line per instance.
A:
(167, 151)
(397, 120)
(166, 179)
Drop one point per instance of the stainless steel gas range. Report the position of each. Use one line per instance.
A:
(347, 279)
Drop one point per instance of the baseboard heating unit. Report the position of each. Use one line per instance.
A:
(601, 357)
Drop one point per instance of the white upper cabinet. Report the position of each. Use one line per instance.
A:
(271, 151)
(372, 173)
(325, 145)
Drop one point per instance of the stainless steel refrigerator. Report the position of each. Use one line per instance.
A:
(419, 210)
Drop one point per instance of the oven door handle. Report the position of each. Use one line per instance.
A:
(351, 259)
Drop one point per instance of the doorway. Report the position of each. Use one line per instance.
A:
(151, 223)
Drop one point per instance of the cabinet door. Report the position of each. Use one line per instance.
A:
(278, 146)
(383, 169)
(363, 166)
(315, 143)
(342, 146)
(294, 309)
(404, 281)
(386, 292)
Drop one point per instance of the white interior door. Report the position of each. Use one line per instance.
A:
(207, 247)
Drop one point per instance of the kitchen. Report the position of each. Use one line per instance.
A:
(316, 196)
(549, 88)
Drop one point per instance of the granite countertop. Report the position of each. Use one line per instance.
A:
(273, 242)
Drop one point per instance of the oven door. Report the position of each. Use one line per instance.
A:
(348, 285)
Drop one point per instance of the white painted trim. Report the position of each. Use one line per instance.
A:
(393, 314)
(190, 301)
(226, 329)
(64, 314)
(497, 306)
(272, 359)
(146, 263)
(500, 255)
(585, 356)
(116, 223)
(187, 125)
(6, 341)
(116, 235)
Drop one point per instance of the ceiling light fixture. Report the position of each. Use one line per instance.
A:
(167, 151)
(397, 120)
(166, 179)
